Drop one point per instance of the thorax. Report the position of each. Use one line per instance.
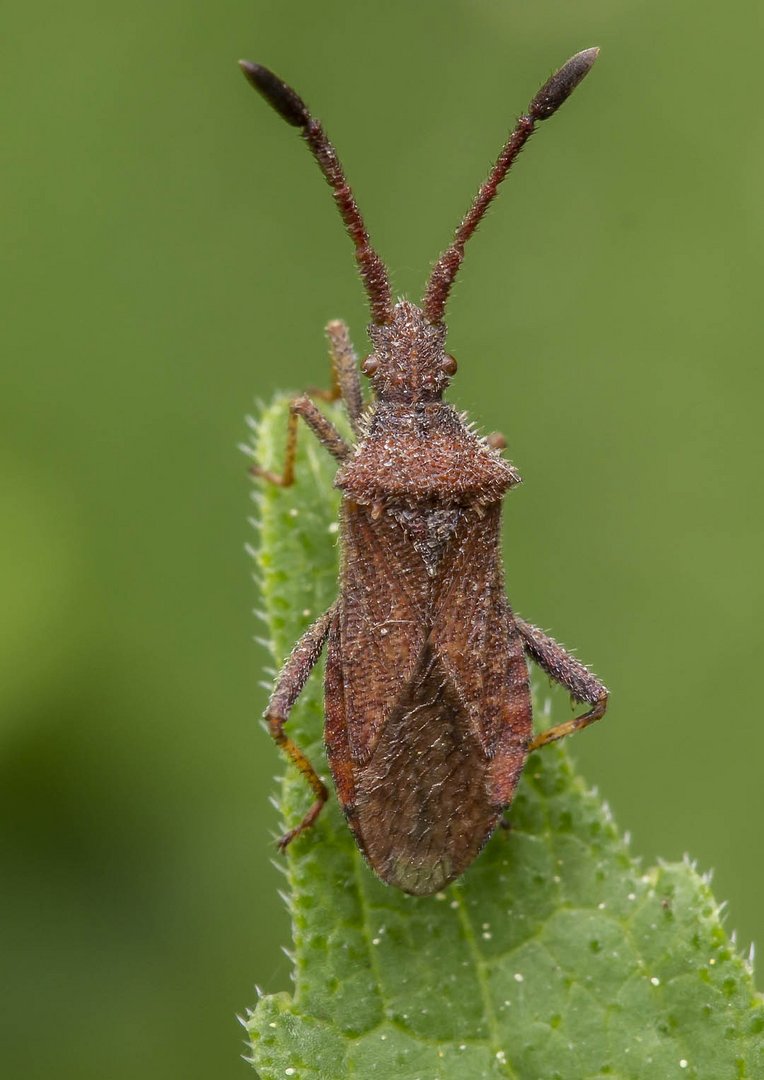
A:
(423, 455)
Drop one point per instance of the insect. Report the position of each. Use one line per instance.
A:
(427, 697)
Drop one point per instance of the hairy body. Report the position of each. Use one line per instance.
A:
(428, 710)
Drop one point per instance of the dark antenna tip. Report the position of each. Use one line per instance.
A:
(547, 101)
(561, 85)
(279, 96)
(290, 106)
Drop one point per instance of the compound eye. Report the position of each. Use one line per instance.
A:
(449, 365)
(370, 365)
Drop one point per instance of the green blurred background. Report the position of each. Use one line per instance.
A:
(170, 252)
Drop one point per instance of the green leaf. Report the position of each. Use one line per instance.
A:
(555, 957)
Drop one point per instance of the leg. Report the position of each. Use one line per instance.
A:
(568, 672)
(323, 429)
(288, 687)
(346, 380)
(345, 368)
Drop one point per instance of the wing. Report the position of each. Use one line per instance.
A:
(381, 627)
(422, 806)
(475, 634)
(427, 727)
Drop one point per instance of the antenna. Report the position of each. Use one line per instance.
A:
(547, 101)
(294, 110)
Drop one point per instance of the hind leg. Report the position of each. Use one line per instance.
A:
(288, 688)
(568, 672)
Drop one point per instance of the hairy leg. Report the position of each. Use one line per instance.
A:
(323, 429)
(346, 378)
(288, 688)
(346, 385)
(568, 672)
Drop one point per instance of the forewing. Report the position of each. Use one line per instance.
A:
(424, 805)
(428, 709)
(380, 622)
(475, 635)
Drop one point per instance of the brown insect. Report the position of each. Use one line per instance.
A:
(428, 707)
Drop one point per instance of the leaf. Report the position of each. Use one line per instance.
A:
(555, 957)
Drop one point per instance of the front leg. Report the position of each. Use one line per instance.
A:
(288, 688)
(568, 672)
(346, 379)
(323, 429)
